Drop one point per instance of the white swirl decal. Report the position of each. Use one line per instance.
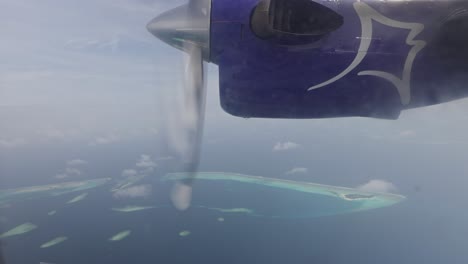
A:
(367, 14)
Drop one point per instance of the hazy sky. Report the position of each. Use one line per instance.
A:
(82, 52)
(88, 73)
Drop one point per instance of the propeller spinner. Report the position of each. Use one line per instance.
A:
(187, 28)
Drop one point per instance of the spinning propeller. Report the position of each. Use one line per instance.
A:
(187, 28)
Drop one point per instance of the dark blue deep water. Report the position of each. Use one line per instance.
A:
(428, 227)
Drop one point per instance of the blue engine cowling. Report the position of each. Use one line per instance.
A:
(318, 59)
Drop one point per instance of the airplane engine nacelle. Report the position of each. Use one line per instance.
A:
(293, 22)
(318, 59)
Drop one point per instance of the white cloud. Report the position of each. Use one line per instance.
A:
(297, 170)
(53, 133)
(406, 133)
(12, 143)
(145, 161)
(281, 146)
(145, 165)
(138, 191)
(104, 140)
(165, 158)
(380, 186)
(129, 173)
(76, 162)
(58, 134)
(71, 170)
(111, 43)
(61, 176)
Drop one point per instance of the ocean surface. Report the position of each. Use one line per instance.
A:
(408, 232)
(429, 226)
(155, 233)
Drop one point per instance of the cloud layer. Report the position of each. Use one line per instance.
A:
(12, 143)
(76, 162)
(144, 166)
(129, 173)
(104, 140)
(297, 170)
(145, 162)
(378, 186)
(71, 170)
(282, 146)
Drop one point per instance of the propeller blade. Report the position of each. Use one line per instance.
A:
(186, 142)
(187, 28)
